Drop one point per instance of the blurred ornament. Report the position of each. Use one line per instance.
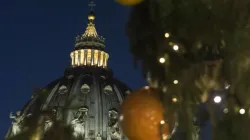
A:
(129, 2)
(142, 113)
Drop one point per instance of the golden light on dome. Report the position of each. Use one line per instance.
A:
(81, 57)
(90, 31)
(91, 17)
(89, 57)
(96, 57)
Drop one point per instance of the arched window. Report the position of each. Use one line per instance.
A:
(63, 89)
(85, 89)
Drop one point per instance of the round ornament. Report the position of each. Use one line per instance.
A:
(142, 116)
(129, 2)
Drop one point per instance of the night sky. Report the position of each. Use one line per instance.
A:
(37, 36)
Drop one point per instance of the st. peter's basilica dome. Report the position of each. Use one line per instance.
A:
(85, 100)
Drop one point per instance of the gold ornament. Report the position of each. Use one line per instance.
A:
(142, 116)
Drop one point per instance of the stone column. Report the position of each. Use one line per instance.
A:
(104, 58)
(85, 57)
(72, 58)
(82, 57)
(92, 57)
(76, 58)
(98, 60)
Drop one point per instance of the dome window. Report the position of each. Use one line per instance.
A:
(85, 89)
(63, 90)
(70, 77)
(103, 77)
(128, 92)
(108, 90)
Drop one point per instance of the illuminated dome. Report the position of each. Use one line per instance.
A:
(83, 104)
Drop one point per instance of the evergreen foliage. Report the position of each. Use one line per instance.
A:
(213, 38)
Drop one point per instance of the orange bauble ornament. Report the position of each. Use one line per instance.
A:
(142, 116)
(129, 2)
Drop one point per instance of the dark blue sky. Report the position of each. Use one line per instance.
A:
(37, 36)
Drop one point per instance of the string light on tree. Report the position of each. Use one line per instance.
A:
(176, 82)
(164, 89)
(121, 118)
(162, 122)
(217, 99)
(176, 47)
(242, 111)
(164, 137)
(227, 86)
(211, 45)
(174, 99)
(171, 44)
(167, 35)
(162, 60)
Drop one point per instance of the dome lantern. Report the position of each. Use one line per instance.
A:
(89, 47)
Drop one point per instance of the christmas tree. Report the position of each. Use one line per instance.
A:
(196, 54)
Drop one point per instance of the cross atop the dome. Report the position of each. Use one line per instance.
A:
(92, 5)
